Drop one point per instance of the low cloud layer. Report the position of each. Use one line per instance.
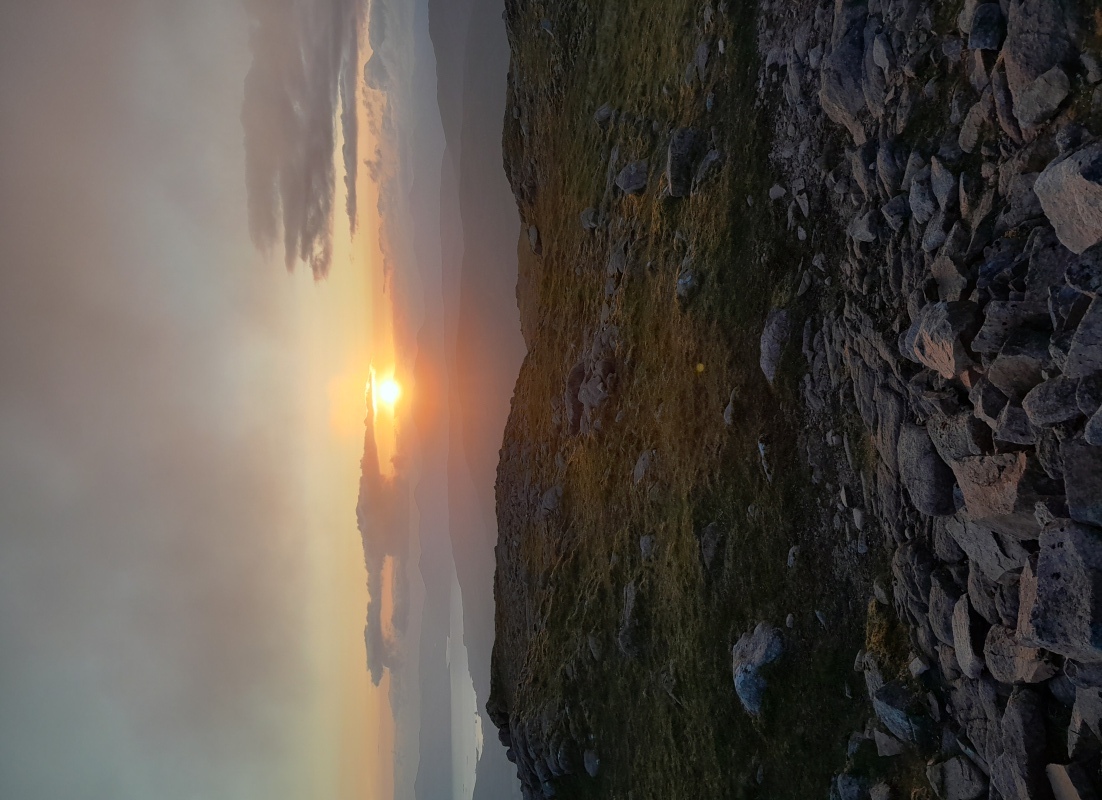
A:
(305, 65)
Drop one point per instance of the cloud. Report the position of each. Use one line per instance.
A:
(305, 63)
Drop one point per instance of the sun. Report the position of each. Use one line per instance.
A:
(390, 391)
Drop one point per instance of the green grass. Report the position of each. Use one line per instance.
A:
(667, 724)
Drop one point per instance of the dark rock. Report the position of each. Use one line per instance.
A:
(840, 92)
(1088, 394)
(1071, 195)
(987, 401)
(1012, 426)
(773, 338)
(921, 199)
(1061, 608)
(848, 787)
(589, 219)
(944, 595)
(1085, 354)
(680, 157)
(928, 479)
(1017, 368)
(988, 27)
(911, 570)
(633, 178)
(592, 763)
(934, 338)
(943, 183)
(1052, 402)
(1083, 479)
(957, 778)
(968, 637)
(899, 711)
(976, 709)
(980, 118)
(958, 435)
(1018, 772)
(1039, 100)
(629, 634)
(754, 650)
(896, 211)
(994, 555)
(981, 593)
(1003, 317)
(1036, 41)
(1011, 662)
(1007, 602)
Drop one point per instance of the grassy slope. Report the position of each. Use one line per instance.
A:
(667, 724)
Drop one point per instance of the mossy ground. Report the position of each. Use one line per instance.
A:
(668, 723)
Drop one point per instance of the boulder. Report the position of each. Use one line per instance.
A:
(999, 490)
(900, 712)
(1017, 368)
(968, 637)
(975, 706)
(987, 28)
(1013, 426)
(1018, 772)
(927, 478)
(958, 435)
(944, 595)
(773, 338)
(680, 157)
(957, 778)
(754, 650)
(1011, 662)
(1085, 354)
(1061, 608)
(1083, 480)
(1038, 101)
(935, 337)
(1003, 317)
(1070, 782)
(1052, 402)
(1071, 195)
(911, 571)
(633, 178)
(840, 91)
(995, 555)
(1036, 41)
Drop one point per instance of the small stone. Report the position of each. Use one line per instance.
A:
(633, 178)
(1038, 101)
(988, 28)
(1052, 402)
(777, 192)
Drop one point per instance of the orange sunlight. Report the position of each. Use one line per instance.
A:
(385, 393)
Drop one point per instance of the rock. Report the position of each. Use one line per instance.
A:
(1018, 772)
(589, 219)
(592, 763)
(1018, 367)
(708, 168)
(958, 435)
(979, 117)
(1012, 426)
(1003, 317)
(863, 227)
(1092, 431)
(927, 478)
(993, 554)
(1083, 480)
(753, 651)
(633, 178)
(1036, 41)
(1012, 662)
(898, 710)
(776, 192)
(646, 546)
(987, 28)
(847, 787)
(944, 595)
(1061, 609)
(957, 778)
(1070, 782)
(934, 338)
(1088, 394)
(1000, 490)
(968, 637)
(680, 157)
(911, 570)
(880, 791)
(840, 92)
(987, 401)
(1085, 354)
(642, 464)
(604, 115)
(1038, 101)
(1071, 196)
(921, 199)
(976, 709)
(887, 746)
(896, 211)
(773, 338)
(1052, 402)
(981, 593)
(628, 635)
(687, 284)
(944, 184)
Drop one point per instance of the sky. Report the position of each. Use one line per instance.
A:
(182, 584)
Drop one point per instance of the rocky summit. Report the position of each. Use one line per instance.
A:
(818, 373)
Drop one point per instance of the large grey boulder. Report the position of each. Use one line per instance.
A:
(1039, 100)
(751, 652)
(1071, 195)
(773, 338)
(1052, 402)
(994, 554)
(957, 779)
(1018, 773)
(1003, 317)
(976, 709)
(1061, 607)
(944, 595)
(935, 337)
(900, 712)
(1085, 354)
(1001, 491)
(927, 478)
(987, 28)
(680, 157)
(633, 178)
(1011, 662)
(1083, 480)
(1036, 41)
(1020, 364)
(840, 92)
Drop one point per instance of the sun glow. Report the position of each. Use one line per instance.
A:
(390, 391)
